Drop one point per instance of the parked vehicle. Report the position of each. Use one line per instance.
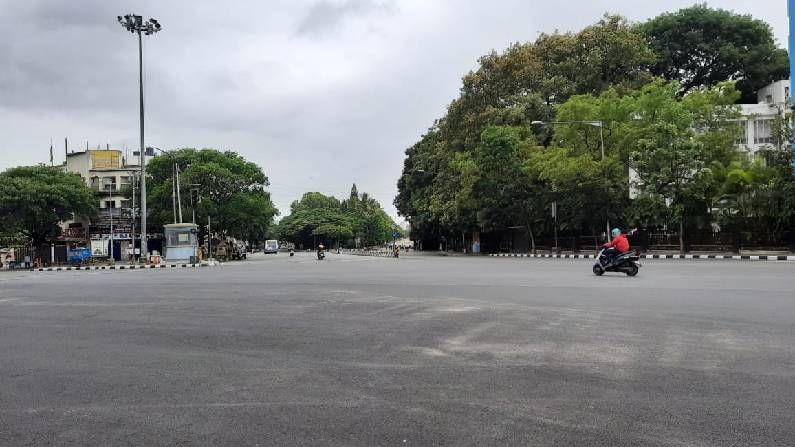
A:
(238, 249)
(624, 263)
(271, 246)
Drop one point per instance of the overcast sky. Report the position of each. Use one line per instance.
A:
(321, 93)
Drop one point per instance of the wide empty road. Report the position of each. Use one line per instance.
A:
(421, 350)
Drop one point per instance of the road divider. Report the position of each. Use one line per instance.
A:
(118, 267)
(376, 253)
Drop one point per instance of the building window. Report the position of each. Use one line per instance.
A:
(786, 93)
(769, 99)
(762, 132)
(109, 183)
(110, 204)
(742, 133)
(126, 204)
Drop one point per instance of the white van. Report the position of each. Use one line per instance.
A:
(271, 246)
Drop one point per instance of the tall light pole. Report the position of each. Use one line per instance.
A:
(135, 24)
(597, 123)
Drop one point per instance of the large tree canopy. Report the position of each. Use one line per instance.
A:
(230, 190)
(701, 46)
(523, 84)
(34, 199)
(358, 220)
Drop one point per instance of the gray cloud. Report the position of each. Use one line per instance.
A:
(321, 94)
(326, 15)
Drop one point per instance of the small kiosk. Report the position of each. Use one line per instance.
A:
(181, 243)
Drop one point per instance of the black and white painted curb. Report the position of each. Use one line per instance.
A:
(376, 253)
(653, 256)
(118, 267)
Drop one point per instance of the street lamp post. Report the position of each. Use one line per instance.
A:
(135, 24)
(596, 123)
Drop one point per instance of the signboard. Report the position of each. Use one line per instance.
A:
(105, 159)
(99, 248)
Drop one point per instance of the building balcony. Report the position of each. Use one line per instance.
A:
(105, 188)
(116, 213)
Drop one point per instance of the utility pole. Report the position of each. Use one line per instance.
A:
(135, 24)
(173, 190)
(110, 211)
(132, 227)
(555, 216)
(179, 197)
(209, 240)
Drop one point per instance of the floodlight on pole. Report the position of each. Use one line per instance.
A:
(136, 24)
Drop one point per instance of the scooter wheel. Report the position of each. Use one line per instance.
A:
(633, 270)
(598, 270)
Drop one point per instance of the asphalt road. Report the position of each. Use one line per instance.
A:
(415, 351)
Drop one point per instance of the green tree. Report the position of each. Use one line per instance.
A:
(317, 217)
(513, 88)
(369, 222)
(507, 189)
(314, 216)
(700, 46)
(231, 191)
(705, 116)
(671, 167)
(34, 199)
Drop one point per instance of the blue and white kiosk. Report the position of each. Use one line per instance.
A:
(181, 243)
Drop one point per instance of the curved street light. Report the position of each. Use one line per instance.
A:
(596, 123)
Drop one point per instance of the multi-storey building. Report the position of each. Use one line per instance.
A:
(115, 181)
(757, 121)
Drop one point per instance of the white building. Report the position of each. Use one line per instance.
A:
(108, 173)
(757, 120)
(103, 171)
(756, 123)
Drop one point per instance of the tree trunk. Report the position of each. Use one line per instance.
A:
(682, 236)
(532, 239)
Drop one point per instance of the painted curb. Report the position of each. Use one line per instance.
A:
(653, 256)
(118, 267)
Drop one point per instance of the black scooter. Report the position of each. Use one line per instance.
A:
(624, 263)
(321, 255)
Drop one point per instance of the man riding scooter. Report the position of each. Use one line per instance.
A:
(617, 246)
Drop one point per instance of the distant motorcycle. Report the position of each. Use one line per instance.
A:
(321, 255)
(624, 263)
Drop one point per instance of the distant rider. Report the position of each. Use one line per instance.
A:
(617, 246)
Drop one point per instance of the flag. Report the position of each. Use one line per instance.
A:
(51, 153)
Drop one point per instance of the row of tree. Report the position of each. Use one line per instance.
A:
(223, 186)
(358, 221)
(566, 119)
(220, 185)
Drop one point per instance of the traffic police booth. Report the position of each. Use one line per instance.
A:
(181, 243)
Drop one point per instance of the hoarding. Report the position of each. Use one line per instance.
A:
(99, 248)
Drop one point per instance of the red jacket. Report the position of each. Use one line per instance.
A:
(620, 243)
